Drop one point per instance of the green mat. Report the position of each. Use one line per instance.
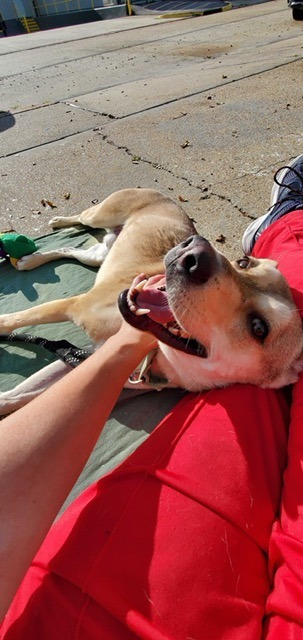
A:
(23, 289)
(135, 415)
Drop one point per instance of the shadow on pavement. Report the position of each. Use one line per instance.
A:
(7, 120)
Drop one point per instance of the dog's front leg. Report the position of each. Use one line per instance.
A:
(53, 311)
(32, 387)
(93, 256)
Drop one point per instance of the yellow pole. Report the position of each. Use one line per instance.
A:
(26, 24)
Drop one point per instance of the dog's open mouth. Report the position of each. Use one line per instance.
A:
(145, 306)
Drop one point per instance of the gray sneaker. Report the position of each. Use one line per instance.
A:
(286, 196)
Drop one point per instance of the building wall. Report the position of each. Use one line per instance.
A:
(55, 7)
(9, 8)
(13, 9)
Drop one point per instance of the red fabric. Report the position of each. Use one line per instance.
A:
(173, 545)
(283, 241)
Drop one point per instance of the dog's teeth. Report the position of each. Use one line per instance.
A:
(133, 308)
(175, 331)
(141, 312)
(138, 287)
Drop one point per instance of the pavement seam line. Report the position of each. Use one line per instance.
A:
(116, 49)
(118, 32)
(156, 106)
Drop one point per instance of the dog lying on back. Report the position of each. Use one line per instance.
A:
(217, 322)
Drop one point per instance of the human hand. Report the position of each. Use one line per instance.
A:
(139, 340)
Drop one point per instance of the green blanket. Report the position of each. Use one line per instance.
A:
(135, 415)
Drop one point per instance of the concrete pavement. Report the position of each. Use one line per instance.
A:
(203, 109)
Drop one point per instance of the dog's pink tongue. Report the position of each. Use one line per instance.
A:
(151, 298)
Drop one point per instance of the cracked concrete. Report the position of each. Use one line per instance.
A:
(204, 109)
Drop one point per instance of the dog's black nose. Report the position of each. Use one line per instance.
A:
(196, 259)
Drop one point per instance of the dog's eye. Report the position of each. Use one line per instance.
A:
(243, 262)
(259, 328)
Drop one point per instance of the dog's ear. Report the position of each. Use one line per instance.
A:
(291, 375)
(296, 368)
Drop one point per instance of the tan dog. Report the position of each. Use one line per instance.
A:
(218, 322)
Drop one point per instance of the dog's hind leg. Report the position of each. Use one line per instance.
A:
(117, 208)
(60, 222)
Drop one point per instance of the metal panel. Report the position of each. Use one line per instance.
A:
(11, 9)
(53, 7)
(7, 10)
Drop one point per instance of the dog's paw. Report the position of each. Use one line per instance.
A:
(31, 261)
(8, 323)
(109, 240)
(56, 222)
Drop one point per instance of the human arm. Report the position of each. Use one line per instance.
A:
(44, 446)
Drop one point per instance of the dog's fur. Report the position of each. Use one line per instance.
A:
(242, 312)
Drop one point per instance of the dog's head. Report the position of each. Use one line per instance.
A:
(238, 317)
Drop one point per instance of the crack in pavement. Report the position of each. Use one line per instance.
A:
(235, 206)
(111, 116)
(156, 165)
(136, 159)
